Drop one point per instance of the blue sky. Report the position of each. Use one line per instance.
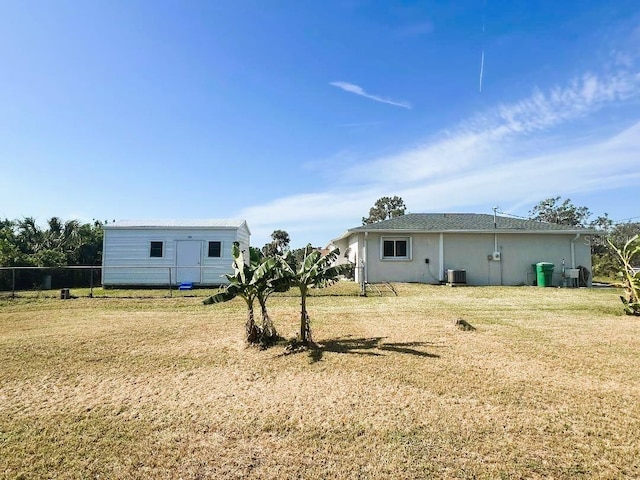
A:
(298, 115)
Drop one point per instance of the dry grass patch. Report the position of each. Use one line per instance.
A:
(547, 386)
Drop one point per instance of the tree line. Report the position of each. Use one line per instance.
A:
(23, 243)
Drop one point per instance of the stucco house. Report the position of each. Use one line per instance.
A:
(479, 249)
(163, 252)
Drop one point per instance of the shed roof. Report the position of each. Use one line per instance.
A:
(209, 223)
(464, 222)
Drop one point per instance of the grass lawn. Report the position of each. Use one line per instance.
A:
(547, 386)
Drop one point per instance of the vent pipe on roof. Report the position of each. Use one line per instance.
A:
(495, 220)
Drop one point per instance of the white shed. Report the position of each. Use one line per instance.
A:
(155, 253)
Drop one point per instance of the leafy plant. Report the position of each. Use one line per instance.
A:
(627, 255)
(316, 271)
(252, 281)
(270, 278)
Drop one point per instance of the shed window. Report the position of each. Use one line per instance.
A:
(156, 249)
(396, 248)
(215, 249)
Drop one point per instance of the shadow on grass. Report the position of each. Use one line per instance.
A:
(374, 347)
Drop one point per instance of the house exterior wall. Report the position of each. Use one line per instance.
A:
(415, 269)
(518, 252)
(351, 251)
(470, 252)
(127, 261)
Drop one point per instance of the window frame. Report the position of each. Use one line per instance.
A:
(395, 239)
(154, 243)
(209, 243)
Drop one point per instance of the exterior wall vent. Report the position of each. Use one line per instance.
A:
(457, 277)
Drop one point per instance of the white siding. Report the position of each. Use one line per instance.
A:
(242, 236)
(127, 261)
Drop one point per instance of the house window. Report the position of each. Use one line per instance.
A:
(156, 249)
(396, 248)
(215, 249)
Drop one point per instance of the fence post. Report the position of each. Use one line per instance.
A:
(91, 282)
(170, 289)
(13, 283)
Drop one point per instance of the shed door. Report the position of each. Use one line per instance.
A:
(188, 261)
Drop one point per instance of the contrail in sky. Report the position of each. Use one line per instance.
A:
(481, 69)
(351, 88)
(484, 8)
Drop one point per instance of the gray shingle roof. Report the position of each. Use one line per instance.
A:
(464, 222)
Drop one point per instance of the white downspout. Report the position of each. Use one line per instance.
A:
(366, 259)
(573, 250)
(441, 258)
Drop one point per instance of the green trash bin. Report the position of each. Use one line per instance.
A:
(544, 274)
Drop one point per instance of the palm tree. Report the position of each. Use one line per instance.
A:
(62, 237)
(55, 227)
(30, 236)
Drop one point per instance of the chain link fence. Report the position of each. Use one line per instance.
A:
(86, 281)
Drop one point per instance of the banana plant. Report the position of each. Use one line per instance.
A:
(270, 279)
(628, 254)
(256, 280)
(316, 271)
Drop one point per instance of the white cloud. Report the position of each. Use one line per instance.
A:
(485, 160)
(351, 88)
(488, 138)
(301, 216)
(599, 166)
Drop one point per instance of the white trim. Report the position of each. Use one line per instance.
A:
(177, 224)
(163, 250)
(396, 238)
(221, 248)
(366, 258)
(441, 258)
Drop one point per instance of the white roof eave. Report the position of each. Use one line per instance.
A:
(176, 224)
(502, 231)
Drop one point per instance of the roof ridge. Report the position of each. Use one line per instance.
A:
(477, 222)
